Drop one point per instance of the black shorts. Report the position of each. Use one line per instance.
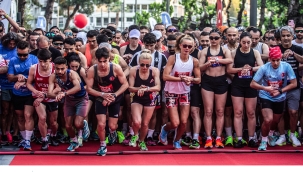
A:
(196, 98)
(229, 102)
(51, 106)
(91, 98)
(20, 101)
(153, 99)
(277, 107)
(113, 108)
(218, 85)
(246, 92)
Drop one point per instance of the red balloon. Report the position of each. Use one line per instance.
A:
(80, 20)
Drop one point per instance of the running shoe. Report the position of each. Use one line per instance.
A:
(296, 134)
(229, 141)
(142, 146)
(102, 151)
(177, 145)
(53, 141)
(219, 143)
(263, 146)
(22, 143)
(16, 140)
(86, 131)
(106, 140)
(253, 143)
(295, 142)
(133, 141)
(151, 142)
(238, 144)
(127, 139)
(44, 146)
(208, 143)
(27, 145)
(272, 140)
(73, 146)
(186, 141)
(163, 136)
(9, 138)
(112, 138)
(80, 141)
(194, 144)
(281, 141)
(94, 136)
(121, 136)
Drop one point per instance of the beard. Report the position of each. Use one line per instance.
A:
(171, 52)
(300, 37)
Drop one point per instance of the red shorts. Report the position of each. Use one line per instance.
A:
(173, 100)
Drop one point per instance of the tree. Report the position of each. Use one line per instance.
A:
(25, 19)
(208, 11)
(262, 13)
(48, 12)
(157, 8)
(142, 18)
(228, 13)
(240, 13)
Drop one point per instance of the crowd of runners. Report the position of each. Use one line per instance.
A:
(226, 86)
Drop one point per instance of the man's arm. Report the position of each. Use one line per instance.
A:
(124, 66)
(83, 60)
(197, 72)
(89, 83)
(265, 50)
(10, 20)
(75, 79)
(3, 69)
(122, 50)
(30, 80)
(51, 86)
(122, 79)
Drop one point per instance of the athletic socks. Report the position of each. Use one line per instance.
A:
(131, 131)
(188, 134)
(28, 134)
(228, 131)
(264, 139)
(150, 133)
(196, 136)
(80, 133)
(102, 143)
(271, 133)
(23, 134)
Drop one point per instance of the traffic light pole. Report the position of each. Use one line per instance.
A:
(253, 12)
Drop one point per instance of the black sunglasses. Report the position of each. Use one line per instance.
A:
(170, 46)
(299, 31)
(214, 38)
(57, 44)
(270, 38)
(187, 46)
(22, 55)
(142, 65)
(172, 30)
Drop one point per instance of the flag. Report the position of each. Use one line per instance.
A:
(219, 13)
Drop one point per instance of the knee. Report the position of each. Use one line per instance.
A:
(220, 113)
(137, 123)
(293, 113)
(144, 125)
(42, 120)
(238, 114)
(175, 123)
(251, 115)
(183, 123)
(68, 126)
(112, 126)
(208, 113)
(101, 125)
(267, 120)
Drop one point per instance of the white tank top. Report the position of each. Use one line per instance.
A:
(180, 68)
(259, 47)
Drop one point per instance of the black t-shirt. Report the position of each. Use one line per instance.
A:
(195, 53)
(292, 60)
(55, 53)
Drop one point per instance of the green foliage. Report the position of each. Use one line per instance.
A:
(142, 19)
(157, 8)
(28, 17)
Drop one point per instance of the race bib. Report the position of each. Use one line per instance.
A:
(178, 74)
(275, 84)
(245, 74)
(107, 89)
(215, 64)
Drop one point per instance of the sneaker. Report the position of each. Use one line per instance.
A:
(9, 138)
(281, 141)
(262, 146)
(33, 138)
(229, 141)
(133, 141)
(295, 142)
(238, 144)
(272, 140)
(253, 143)
(296, 134)
(86, 131)
(80, 141)
(16, 140)
(219, 143)
(73, 146)
(194, 144)
(208, 143)
(44, 146)
(112, 138)
(151, 142)
(106, 140)
(127, 139)
(102, 151)
(163, 136)
(142, 146)
(22, 143)
(53, 141)
(186, 141)
(94, 136)
(177, 145)
(120, 136)
(27, 145)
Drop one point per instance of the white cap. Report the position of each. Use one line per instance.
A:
(135, 33)
(157, 33)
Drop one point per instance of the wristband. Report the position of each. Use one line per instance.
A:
(102, 93)
(280, 90)
(217, 60)
(147, 88)
(5, 15)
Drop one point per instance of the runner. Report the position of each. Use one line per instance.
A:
(107, 82)
(37, 83)
(144, 81)
(75, 100)
(178, 77)
(273, 93)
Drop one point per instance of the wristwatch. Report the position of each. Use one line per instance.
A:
(280, 90)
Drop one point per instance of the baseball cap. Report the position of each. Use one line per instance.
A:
(157, 33)
(134, 34)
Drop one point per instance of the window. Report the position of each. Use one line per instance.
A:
(144, 7)
(61, 23)
(138, 8)
(128, 19)
(91, 20)
(54, 22)
(105, 21)
(112, 20)
(55, 10)
(98, 21)
(129, 8)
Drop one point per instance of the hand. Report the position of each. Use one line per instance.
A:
(141, 91)
(2, 12)
(287, 53)
(186, 79)
(247, 67)
(21, 77)
(108, 97)
(143, 86)
(37, 102)
(57, 89)
(270, 89)
(60, 96)
(19, 84)
(39, 94)
(275, 93)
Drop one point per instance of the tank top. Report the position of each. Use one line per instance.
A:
(259, 47)
(107, 84)
(41, 82)
(132, 52)
(88, 55)
(149, 82)
(241, 59)
(220, 55)
(180, 68)
(78, 72)
(68, 85)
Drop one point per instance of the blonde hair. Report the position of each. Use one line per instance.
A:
(145, 54)
(181, 39)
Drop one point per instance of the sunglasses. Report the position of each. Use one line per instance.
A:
(57, 44)
(22, 55)
(170, 46)
(214, 38)
(299, 31)
(172, 30)
(187, 46)
(270, 38)
(50, 35)
(69, 33)
(142, 65)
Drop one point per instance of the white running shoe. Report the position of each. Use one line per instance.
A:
(295, 142)
(281, 141)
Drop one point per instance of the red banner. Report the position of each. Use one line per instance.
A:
(219, 13)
